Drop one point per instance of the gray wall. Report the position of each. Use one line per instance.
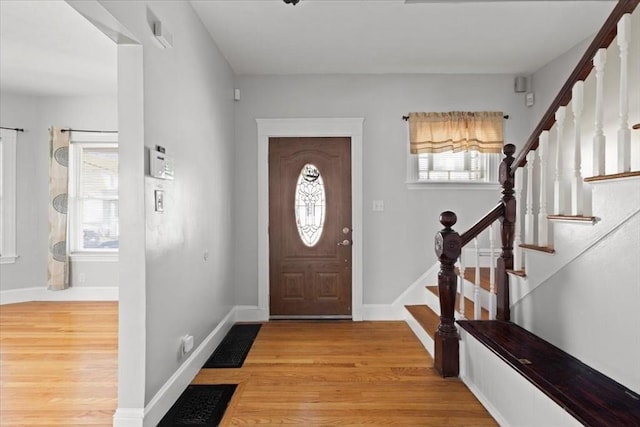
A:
(36, 115)
(547, 81)
(398, 241)
(188, 109)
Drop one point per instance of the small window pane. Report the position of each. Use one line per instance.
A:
(449, 161)
(462, 166)
(310, 205)
(99, 224)
(99, 175)
(98, 198)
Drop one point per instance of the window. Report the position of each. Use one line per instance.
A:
(468, 166)
(7, 196)
(93, 193)
(310, 205)
(455, 147)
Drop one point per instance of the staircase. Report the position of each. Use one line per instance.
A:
(547, 331)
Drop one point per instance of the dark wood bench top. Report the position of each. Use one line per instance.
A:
(591, 397)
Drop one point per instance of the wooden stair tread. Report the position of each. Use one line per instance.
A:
(468, 305)
(546, 249)
(426, 317)
(576, 218)
(591, 397)
(485, 277)
(519, 273)
(612, 176)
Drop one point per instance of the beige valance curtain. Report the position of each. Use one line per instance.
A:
(456, 131)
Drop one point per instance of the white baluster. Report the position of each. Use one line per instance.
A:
(528, 216)
(624, 133)
(462, 286)
(476, 289)
(599, 139)
(576, 178)
(543, 228)
(518, 259)
(558, 195)
(492, 270)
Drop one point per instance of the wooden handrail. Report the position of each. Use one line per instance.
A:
(603, 39)
(449, 244)
(482, 225)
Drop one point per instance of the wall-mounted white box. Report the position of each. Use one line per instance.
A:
(160, 165)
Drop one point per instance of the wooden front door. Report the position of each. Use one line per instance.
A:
(310, 227)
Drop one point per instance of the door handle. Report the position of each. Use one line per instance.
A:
(345, 242)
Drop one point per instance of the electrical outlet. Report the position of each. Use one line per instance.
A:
(81, 278)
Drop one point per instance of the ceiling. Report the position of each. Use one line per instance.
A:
(46, 48)
(391, 36)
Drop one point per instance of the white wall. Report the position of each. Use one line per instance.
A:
(30, 269)
(547, 81)
(36, 115)
(398, 241)
(591, 311)
(188, 109)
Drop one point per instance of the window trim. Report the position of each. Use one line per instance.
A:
(8, 218)
(79, 140)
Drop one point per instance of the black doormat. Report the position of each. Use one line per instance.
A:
(199, 405)
(234, 347)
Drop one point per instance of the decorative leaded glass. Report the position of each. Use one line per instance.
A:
(310, 205)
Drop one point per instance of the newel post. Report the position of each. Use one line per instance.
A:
(507, 230)
(448, 248)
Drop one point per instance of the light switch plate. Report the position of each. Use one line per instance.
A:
(378, 205)
(159, 196)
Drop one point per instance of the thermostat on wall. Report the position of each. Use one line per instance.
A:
(160, 165)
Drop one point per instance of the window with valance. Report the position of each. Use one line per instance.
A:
(455, 146)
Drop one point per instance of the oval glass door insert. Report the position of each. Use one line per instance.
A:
(310, 205)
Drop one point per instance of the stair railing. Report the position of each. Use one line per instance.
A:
(449, 244)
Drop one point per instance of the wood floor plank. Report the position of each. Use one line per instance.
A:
(343, 373)
(58, 363)
(58, 366)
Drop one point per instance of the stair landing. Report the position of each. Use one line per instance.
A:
(591, 397)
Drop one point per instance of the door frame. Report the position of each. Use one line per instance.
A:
(310, 127)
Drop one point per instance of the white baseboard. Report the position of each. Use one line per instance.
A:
(249, 313)
(81, 293)
(416, 292)
(128, 417)
(178, 382)
(252, 313)
(380, 312)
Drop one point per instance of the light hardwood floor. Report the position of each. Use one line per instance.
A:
(58, 366)
(58, 363)
(343, 373)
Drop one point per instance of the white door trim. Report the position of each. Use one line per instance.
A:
(316, 127)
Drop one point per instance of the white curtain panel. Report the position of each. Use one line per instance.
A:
(58, 263)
